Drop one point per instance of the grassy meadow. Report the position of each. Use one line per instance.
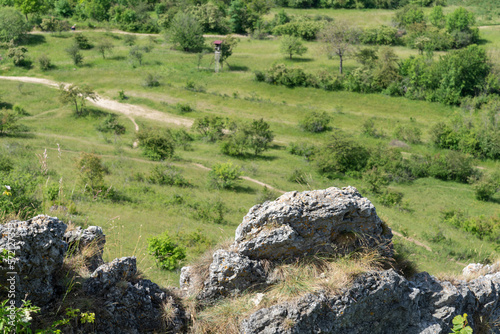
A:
(145, 210)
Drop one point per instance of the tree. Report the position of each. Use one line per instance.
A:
(224, 175)
(12, 25)
(91, 170)
(339, 38)
(18, 55)
(227, 46)
(437, 18)
(135, 54)
(31, 7)
(104, 46)
(186, 32)
(8, 122)
(74, 52)
(76, 95)
(254, 136)
(157, 143)
(291, 45)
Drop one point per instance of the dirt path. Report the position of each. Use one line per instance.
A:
(416, 242)
(128, 110)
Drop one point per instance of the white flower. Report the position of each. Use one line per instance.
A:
(26, 318)
(8, 187)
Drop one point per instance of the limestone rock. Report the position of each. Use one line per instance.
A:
(91, 238)
(132, 305)
(384, 302)
(39, 254)
(231, 273)
(327, 221)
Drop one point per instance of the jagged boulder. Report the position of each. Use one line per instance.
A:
(333, 221)
(90, 240)
(39, 254)
(384, 302)
(130, 305)
(231, 273)
(325, 221)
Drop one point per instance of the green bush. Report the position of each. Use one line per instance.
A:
(224, 175)
(74, 52)
(82, 41)
(18, 56)
(18, 194)
(211, 212)
(151, 80)
(408, 133)
(305, 29)
(391, 198)
(91, 170)
(315, 122)
(44, 62)
(302, 149)
(183, 108)
(111, 124)
(167, 253)
(186, 31)
(254, 136)
(485, 188)
(341, 154)
(13, 26)
(210, 127)
(453, 166)
(157, 144)
(167, 175)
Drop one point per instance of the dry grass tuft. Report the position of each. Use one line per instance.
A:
(167, 313)
(292, 281)
(78, 258)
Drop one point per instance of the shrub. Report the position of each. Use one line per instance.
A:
(91, 170)
(186, 32)
(183, 108)
(135, 56)
(315, 122)
(74, 52)
(18, 55)
(167, 253)
(151, 80)
(391, 198)
(211, 212)
(157, 144)
(167, 175)
(291, 45)
(302, 149)
(341, 154)
(224, 175)
(304, 29)
(376, 179)
(17, 195)
(408, 133)
(129, 39)
(210, 127)
(104, 46)
(298, 176)
(485, 188)
(82, 41)
(254, 136)
(13, 26)
(452, 166)
(368, 128)
(110, 124)
(44, 62)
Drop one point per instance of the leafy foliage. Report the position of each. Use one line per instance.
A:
(315, 122)
(167, 175)
(254, 136)
(224, 175)
(186, 32)
(12, 25)
(291, 45)
(91, 170)
(460, 325)
(77, 96)
(167, 253)
(157, 143)
(18, 55)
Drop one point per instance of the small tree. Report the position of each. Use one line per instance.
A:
(12, 25)
(91, 170)
(315, 122)
(157, 143)
(224, 175)
(18, 55)
(135, 55)
(227, 46)
(339, 38)
(74, 52)
(186, 32)
(104, 46)
(291, 45)
(8, 122)
(167, 252)
(76, 95)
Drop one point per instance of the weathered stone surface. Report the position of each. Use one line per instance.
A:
(107, 275)
(384, 302)
(92, 238)
(231, 273)
(39, 254)
(328, 221)
(130, 305)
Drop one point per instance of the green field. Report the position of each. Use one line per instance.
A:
(146, 210)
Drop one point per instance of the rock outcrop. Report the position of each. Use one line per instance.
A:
(385, 302)
(39, 254)
(132, 305)
(123, 303)
(330, 221)
(90, 240)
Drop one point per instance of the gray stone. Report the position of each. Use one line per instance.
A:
(130, 305)
(92, 238)
(384, 302)
(326, 221)
(231, 273)
(39, 254)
